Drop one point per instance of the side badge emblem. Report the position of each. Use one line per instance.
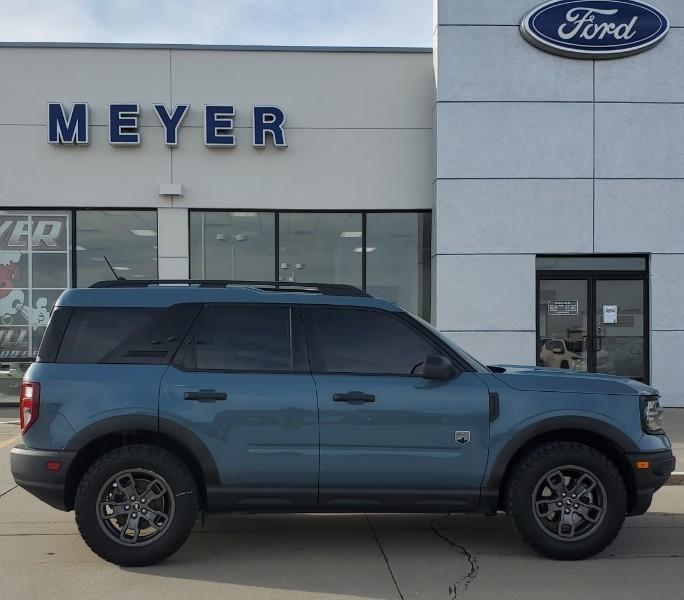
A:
(462, 437)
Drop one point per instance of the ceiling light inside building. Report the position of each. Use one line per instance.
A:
(143, 232)
(368, 249)
(121, 268)
(351, 234)
(243, 215)
(80, 248)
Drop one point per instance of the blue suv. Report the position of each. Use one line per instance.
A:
(152, 401)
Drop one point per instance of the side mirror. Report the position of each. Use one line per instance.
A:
(437, 366)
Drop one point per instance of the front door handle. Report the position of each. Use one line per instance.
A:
(205, 396)
(354, 397)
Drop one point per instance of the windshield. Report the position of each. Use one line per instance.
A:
(474, 363)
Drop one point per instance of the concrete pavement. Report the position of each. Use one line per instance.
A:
(274, 557)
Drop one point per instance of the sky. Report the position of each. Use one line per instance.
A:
(270, 22)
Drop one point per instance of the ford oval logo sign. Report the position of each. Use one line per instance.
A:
(595, 28)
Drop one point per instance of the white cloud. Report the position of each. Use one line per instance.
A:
(273, 22)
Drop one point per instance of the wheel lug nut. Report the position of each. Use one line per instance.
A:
(559, 503)
(576, 506)
(563, 495)
(144, 511)
(132, 498)
(134, 515)
(127, 507)
(567, 511)
(574, 495)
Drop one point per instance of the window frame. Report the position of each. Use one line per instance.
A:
(404, 319)
(296, 338)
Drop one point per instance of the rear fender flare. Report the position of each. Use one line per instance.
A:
(150, 423)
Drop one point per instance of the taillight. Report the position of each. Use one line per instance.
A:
(29, 402)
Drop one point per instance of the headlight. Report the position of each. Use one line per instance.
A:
(651, 414)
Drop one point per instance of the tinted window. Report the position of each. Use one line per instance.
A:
(242, 338)
(98, 334)
(53, 335)
(362, 341)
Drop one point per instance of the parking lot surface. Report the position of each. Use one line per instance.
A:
(325, 556)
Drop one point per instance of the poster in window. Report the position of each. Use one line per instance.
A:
(34, 270)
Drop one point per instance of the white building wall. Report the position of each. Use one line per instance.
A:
(542, 154)
(358, 125)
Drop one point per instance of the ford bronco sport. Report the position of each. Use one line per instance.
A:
(152, 401)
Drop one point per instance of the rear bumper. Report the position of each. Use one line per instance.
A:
(649, 480)
(29, 469)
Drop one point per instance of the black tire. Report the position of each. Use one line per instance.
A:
(179, 504)
(548, 532)
(565, 365)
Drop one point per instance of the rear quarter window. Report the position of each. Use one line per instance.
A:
(125, 335)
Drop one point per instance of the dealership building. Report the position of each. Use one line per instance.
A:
(521, 187)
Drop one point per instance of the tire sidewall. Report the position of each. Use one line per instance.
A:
(159, 461)
(521, 500)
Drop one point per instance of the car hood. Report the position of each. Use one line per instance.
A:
(543, 379)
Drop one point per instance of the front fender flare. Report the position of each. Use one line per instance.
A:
(495, 472)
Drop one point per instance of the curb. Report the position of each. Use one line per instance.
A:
(677, 478)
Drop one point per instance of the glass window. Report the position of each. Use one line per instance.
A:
(243, 338)
(127, 238)
(35, 268)
(321, 248)
(398, 259)
(97, 334)
(232, 245)
(365, 341)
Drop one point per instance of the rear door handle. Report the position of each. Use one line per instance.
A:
(354, 397)
(205, 396)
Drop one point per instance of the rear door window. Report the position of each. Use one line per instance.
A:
(245, 338)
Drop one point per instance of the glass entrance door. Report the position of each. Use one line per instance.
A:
(620, 332)
(563, 326)
(594, 323)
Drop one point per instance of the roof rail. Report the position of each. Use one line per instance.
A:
(331, 289)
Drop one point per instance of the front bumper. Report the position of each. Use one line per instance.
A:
(649, 480)
(29, 469)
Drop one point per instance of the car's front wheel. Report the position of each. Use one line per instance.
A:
(136, 505)
(567, 500)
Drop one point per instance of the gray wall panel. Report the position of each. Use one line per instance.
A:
(639, 140)
(510, 140)
(496, 63)
(485, 216)
(639, 216)
(653, 76)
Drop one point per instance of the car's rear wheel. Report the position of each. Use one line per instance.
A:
(567, 500)
(136, 505)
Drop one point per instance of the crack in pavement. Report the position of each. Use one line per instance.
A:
(465, 581)
(384, 555)
(8, 491)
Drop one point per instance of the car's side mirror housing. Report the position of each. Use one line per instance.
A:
(437, 366)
